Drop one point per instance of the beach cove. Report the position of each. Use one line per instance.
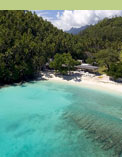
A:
(47, 118)
(84, 79)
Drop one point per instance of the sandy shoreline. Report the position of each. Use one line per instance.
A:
(86, 80)
(81, 79)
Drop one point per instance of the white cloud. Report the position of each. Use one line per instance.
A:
(44, 14)
(78, 18)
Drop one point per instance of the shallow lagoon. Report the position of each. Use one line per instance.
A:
(45, 119)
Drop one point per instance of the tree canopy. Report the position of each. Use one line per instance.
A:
(115, 70)
(107, 57)
(103, 44)
(27, 42)
(63, 63)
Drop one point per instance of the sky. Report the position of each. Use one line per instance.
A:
(66, 19)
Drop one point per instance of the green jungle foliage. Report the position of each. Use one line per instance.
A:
(115, 70)
(105, 34)
(103, 45)
(27, 42)
(63, 63)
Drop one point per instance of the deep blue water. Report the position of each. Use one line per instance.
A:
(45, 119)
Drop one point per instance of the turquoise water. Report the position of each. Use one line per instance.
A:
(45, 119)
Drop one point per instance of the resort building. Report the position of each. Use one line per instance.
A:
(87, 67)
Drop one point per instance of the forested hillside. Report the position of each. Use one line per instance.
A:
(107, 33)
(26, 43)
(103, 45)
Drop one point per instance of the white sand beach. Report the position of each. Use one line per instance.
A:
(85, 79)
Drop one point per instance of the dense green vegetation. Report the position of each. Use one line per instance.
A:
(103, 45)
(63, 63)
(106, 34)
(27, 42)
(115, 70)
